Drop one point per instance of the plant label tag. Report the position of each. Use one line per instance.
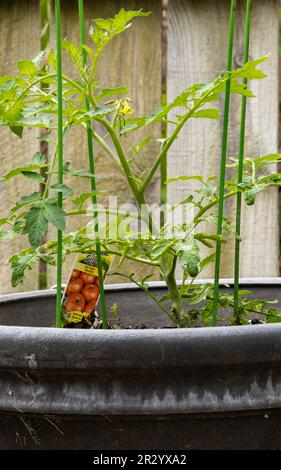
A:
(82, 291)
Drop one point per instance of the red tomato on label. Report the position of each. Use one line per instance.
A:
(88, 278)
(90, 307)
(75, 274)
(90, 292)
(97, 281)
(74, 286)
(75, 302)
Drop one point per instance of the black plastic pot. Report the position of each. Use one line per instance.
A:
(203, 388)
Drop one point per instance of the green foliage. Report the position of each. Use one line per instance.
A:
(37, 219)
(29, 99)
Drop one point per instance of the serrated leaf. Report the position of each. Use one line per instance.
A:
(79, 201)
(184, 178)
(19, 170)
(104, 29)
(101, 110)
(55, 215)
(75, 53)
(189, 257)
(27, 67)
(38, 158)
(24, 200)
(7, 234)
(160, 249)
(32, 175)
(36, 225)
(18, 130)
(52, 59)
(19, 264)
(62, 188)
(121, 90)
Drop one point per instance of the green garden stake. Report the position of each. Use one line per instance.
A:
(240, 171)
(223, 164)
(60, 160)
(92, 171)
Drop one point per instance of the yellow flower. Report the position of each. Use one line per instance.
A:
(126, 108)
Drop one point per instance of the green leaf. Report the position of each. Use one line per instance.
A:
(55, 215)
(32, 175)
(75, 53)
(79, 201)
(101, 110)
(104, 30)
(121, 90)
(184, 178)
(209, 259)
(62, 188)
(78, 173)
(52, 59)
(18, 130)
(38, 159)
(7, 234)
(19, 170)
(137, 148)
(27, 67)
(160, 249)
(207, 113)
(25, 200)
(189, 257)
(36, 225)
(20, 263)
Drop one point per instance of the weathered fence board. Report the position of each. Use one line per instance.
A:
(197, 51)
(130, 60)
(19, 39)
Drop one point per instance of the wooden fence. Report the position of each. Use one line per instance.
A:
(197, 45)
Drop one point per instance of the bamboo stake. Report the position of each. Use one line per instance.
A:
(240, 170)
(223, 163)
(60, 159)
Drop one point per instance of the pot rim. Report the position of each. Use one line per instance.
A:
(247, 281)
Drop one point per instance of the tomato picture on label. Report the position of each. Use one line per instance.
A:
(90, 307)
(90, 292)
(75, 302)
(97, 282)
(88, 278)
(74, 286)
(75, 274)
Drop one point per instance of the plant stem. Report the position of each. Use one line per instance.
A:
(60, 159)
(45, 13)
(50, 171)
(240, 172)
(212, 204)
(177, 307)
(92, 171)
(104, 211)
(223, 164)
(138, 195)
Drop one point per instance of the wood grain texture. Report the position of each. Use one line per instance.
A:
(133, 59)
(197, 51)
(19, 39)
